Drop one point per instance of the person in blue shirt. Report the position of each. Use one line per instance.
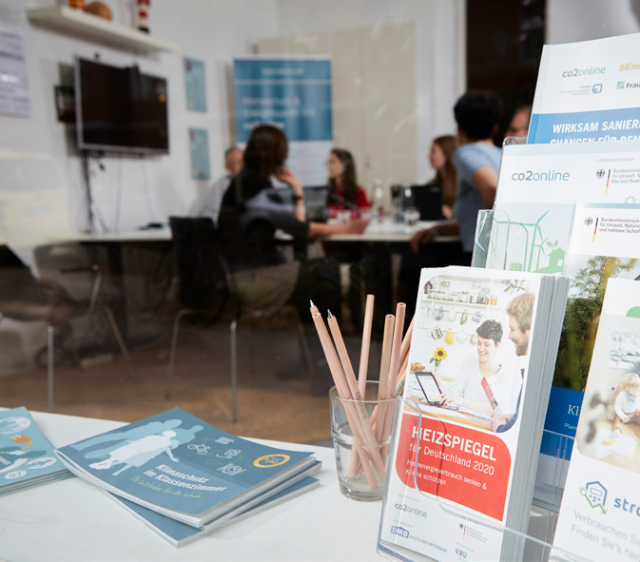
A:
(477, 162)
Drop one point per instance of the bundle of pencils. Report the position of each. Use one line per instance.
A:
(370, 432)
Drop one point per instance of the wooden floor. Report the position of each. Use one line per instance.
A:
(267, 407)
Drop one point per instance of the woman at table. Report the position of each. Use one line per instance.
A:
(467, 388)
(441, 160)
(344, 192)
(251, 212)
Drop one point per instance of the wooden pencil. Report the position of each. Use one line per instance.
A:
(366, 343)
(396, 346)
(344, 393)
(363, 423)
(385, 361)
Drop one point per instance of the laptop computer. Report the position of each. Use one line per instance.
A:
(428, 200)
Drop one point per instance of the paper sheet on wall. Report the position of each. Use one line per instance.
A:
(194, 81)
(199, 147)
(14, 88)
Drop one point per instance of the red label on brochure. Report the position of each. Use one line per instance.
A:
(468, 467)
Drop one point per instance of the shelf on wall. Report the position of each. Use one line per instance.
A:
(68, 20)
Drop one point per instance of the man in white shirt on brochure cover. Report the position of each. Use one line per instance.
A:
(520, 311)
(209, 205)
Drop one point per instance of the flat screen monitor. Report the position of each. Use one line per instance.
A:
(119, 109)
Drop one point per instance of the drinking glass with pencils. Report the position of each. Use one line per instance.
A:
(362, 412)
(360, 462)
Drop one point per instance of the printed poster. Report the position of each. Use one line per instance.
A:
(293, 94)
(15, 99)
(587, 92)
(194, 80)
(199, 148)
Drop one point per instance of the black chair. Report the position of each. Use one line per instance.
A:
(24, 298)
(207, 287)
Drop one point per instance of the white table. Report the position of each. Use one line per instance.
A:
(73, 521)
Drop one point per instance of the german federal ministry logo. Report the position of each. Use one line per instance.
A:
(600, 174)
(596, 494)
(269, 461)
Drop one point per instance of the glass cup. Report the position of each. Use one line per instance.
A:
(411, 218)
(344, 217)
(361, 459)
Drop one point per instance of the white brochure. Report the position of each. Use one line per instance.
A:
(588, 92)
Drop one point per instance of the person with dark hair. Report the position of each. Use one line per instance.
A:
(468, 388)
(344, 191)
(477, 162)
(519, 124)
(209, 205)
(252, 210)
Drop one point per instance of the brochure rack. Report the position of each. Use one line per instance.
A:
(534, 545)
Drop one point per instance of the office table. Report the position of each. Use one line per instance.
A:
(73, 521)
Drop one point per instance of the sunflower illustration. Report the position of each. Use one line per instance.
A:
(439, 355)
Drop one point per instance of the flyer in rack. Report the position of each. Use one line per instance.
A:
(453, 465)
(587, 91)
(599, 513)
(540, 188)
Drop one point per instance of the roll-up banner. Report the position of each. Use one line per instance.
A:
(294, 94)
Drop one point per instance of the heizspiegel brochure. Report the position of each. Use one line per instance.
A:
(480, 374)
(587, 92)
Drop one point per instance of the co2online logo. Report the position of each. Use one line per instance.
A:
(577, 72)
(549, 175)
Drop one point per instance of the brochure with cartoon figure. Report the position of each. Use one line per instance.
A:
(180, 466)
(482, 398)
(26, 455)
(599, 513)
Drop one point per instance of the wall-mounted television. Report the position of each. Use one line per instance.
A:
(120, 109)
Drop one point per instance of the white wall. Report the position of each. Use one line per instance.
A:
(150, 188)
(440, 56)
(581, 20)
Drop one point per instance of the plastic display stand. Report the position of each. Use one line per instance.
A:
(533, 545)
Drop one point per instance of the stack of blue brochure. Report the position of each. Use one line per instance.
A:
(26, 455)
(184, 477)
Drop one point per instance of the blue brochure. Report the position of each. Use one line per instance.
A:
(180, 466)
(179, 534)
(26, 455)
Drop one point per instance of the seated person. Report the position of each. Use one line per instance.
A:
(444, 183)
(467, 390)
(344, 192)
(209, 205)
(251, 213)
(519, 124)
(477, 162)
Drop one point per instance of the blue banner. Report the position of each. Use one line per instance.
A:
(293, 94)
(585, 126)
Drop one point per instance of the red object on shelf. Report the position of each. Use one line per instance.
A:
(143, 15)
(77, 4)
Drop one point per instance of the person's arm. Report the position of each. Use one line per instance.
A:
(356, 226)
(485, 180)
(425, 236)
(293, 182)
